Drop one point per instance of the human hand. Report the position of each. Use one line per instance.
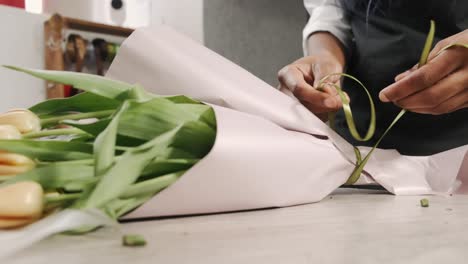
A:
(302, 78)
(438, 87)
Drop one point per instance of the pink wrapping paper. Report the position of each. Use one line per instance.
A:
(265, 153)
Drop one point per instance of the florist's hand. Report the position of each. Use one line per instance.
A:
(440, 86)
(302, 78)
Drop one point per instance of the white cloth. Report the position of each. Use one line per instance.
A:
(326, 15)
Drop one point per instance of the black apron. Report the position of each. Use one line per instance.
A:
(386, 43)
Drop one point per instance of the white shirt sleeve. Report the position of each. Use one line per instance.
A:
(326, 15)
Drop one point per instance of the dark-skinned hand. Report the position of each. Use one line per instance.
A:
(438, 87)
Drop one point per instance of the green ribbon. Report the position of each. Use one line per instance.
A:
(361, 162)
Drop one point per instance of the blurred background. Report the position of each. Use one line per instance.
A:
(260, 35)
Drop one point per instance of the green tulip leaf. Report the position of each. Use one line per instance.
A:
(88, 82)
(82, 102)
(48, 150)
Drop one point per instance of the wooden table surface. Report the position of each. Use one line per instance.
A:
(347, 227)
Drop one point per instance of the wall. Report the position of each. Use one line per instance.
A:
(133, 13)
(22, 45)
(261, 35)
(186, 16)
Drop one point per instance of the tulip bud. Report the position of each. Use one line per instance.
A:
(13, 164)
(12, 223)
(9, 132)
(20, 204)
(24, 120)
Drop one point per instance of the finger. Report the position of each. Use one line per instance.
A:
(436, 94)
(454, 103)
(303, 91)
(291, 76)
(406, 73)
(320, 111)
(329, 89)
(306, 70)
(338, 98)
(306, 93)
(335, 102)
(462, 107)
(422, 78)
(402, 75)
(324, 68)
(440, 45)
(332, 90)
(329, 104)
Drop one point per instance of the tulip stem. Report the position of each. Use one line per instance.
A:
(122, 148)
(58, 119)
(75, 162)
(68, 162)
(54, 132)
(5, 177)
(58, 198)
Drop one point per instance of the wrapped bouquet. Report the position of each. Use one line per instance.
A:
(118, 151)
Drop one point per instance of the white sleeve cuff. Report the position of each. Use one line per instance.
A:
(329, 18)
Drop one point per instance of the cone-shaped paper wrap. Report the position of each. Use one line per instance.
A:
(266, 154)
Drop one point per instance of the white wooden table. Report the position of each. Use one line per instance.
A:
(347, 227)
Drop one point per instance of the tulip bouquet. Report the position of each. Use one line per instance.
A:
(110, 148)
(115, 146)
